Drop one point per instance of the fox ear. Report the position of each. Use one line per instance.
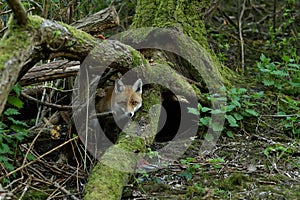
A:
(119, 86)
(137, 86)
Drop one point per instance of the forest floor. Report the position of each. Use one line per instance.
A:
(264, 165)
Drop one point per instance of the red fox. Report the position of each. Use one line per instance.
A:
(122, 100)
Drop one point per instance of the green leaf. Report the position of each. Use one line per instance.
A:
(205, 120)
(263, 58)
(242, 90)
(208, 137)
(217, 127)
(199, 106)
(11, 111)
(15, 101)
(216, 160)
(252, 112)
(205, 109)
(235, 102)
(217, 111)
(279, 73)
(229, 108)
(258, 94)
(17, 122)
(268, 82)
(187, 175)
(4, 148)
(247, 103)
(237, 116)
(231, 120)
(229, 134)
(20, 131)
(286, 58)
(31, 157)
(4, 162)
(17, 89)
(194, 111)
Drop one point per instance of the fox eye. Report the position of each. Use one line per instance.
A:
(134, 103)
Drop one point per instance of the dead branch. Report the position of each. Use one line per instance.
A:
(98, 22)
(241, 36)
(50, 71)
(20, 15)
(61, 107)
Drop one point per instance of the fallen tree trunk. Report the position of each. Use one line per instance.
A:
(37, 39)
(113, 169)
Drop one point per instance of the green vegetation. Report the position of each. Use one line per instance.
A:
(282, 76)
(191, 168)
(257, 156)
(12, 131)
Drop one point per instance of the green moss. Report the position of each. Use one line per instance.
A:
(17, 38)
(35, 195)
(186, 17)
(234, 181)
(196, 190)
(137, 58)
(80, 35)
(107, 187)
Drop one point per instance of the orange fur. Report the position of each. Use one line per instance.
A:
(122, 100)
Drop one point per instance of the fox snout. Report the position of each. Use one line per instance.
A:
(123, 113)
(123, 100)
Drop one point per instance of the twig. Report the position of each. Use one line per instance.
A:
(59, 187)
(30, 163)
(40, 106)
(28, 181)
(34, 140)
(214, 6)
(241, 36)
(63, 107)
(292, 115)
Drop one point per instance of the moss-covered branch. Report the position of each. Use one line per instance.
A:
(119, 161)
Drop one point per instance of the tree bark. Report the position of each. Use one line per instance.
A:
(98, 22)
(184, 18)
(36, 39)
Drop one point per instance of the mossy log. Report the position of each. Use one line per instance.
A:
(28, 41)
(113, 169)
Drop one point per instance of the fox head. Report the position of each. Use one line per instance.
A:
(126, 99)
